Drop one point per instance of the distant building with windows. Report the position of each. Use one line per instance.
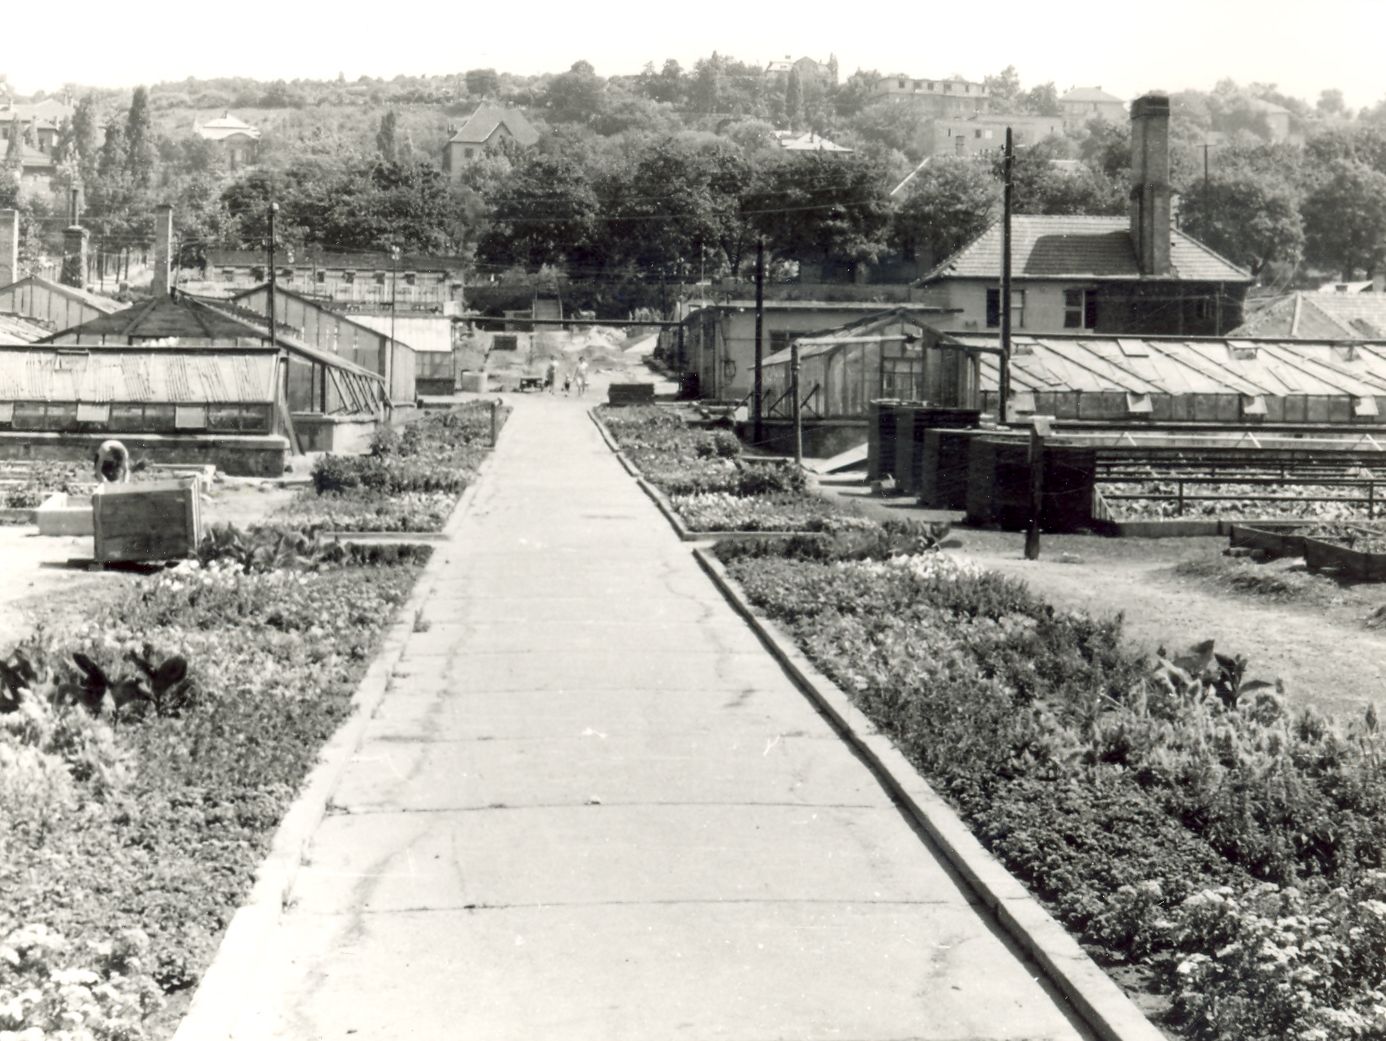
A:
(40, 122)
(808, 68)
(1081, 105)
(415, 283)
(940, 98)
(239, 141)
(978, 135)
(484, 130)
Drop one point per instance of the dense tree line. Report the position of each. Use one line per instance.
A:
(674, 174)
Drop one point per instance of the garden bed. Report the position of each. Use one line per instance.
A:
(147, 753)
(1218, 852)
(409, 482)
(706, 487)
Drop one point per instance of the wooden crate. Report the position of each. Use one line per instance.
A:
(147, 520)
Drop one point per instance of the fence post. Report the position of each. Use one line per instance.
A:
(1179, 484)
(495, 420)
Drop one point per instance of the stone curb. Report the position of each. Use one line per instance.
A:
(224, 992)
(666, 507)
(1095, 997)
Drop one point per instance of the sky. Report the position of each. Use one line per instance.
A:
(1127, 48)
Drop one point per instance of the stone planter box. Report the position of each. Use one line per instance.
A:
(63, 514)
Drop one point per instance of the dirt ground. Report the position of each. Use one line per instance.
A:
(46, 576)
(1318, 645)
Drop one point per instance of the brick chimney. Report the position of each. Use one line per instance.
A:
(74, 245)
(9, 246)
(163, 250)
(1150, 191)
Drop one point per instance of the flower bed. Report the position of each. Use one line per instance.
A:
(147, 754)
(25, 486)
(708, 482)
(1178, 818)
(409, 481)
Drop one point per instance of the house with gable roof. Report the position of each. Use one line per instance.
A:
(238, 139)
(484, 130)
(1101, 274)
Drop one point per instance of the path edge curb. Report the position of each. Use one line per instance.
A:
(666, 507)
(1095, 997)
(224, 993)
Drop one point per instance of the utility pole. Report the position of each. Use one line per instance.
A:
(794, 389)
(273, 209)
(757, 425)
(1205, 173)
(1004, 384)
(390, 347)
(1039, 428)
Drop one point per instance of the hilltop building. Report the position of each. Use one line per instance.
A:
(238, 139)
(485, 129)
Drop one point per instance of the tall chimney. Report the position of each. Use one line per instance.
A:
(1150, 191)
(74, 247)
(163, 250)
(9, 246)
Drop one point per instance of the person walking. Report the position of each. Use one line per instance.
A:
(551, 376)
(582, 376)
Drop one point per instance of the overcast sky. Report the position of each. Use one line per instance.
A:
(1125, 47)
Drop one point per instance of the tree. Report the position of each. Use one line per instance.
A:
(385, 138)
(1004, 89)
(84, 135)
(545, 212)
(1040, 185)
(482, 83)
(1042, 100)
(948, 203)
(1345, 219)
(818, 207)
(575, 96)
(793, 99)
(1251, 218)
(14, 150)
(1331, 105)
(139, 143)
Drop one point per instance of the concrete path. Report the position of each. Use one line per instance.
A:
(592, 807)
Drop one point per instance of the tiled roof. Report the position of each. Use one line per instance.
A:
(482, 123)
(1089, 94)
(1320, 316)
(1051, 246)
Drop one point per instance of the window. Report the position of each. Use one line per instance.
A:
(410, 278)
(1080, 309)
(94, 412)
(977, 134)
(257, 274)
(348, 277)
(380, 278)
(190, 417)
(319, 277)
(505, 342)
(1017, 309)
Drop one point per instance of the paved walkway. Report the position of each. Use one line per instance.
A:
(592, 807)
